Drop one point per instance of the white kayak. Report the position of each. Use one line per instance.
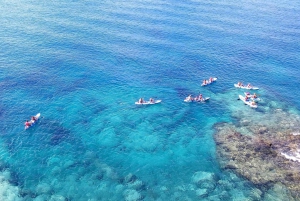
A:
(196, 100)
(148, 102)
(245, 87)
(251, 97)
(32, 122)
(250, 103)
(208, 82)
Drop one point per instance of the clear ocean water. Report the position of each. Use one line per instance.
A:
(83, 64)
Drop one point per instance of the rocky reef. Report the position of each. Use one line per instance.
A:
(264, 148)
(7, 190)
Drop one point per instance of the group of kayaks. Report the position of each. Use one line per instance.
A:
(249, 99)
(188, 99)
(200, 98)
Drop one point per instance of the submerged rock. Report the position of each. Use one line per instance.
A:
(43, 188)
(137, 185)
(58, 198)
(204, 180)
(201, 192)
(130, 178)
(41, 198)
(255, 194)
(132, 195)
(200, 177)
(279, 192)
(258, 156)
(7, 190)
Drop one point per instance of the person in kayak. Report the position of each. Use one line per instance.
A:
(210, 79)
(253, 103)
(27, 123)
(249, 85)
(246, 98)
(151, 100)
(254, 95)
(200, 98)
(240, 84)
(204, 82)
(33, 119)
(141, 100)
(189, 98)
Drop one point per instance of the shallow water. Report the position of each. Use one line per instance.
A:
(84, 64)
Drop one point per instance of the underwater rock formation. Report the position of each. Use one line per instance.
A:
(7, 190)
(204, 180)
(260, 149)
(132, 195)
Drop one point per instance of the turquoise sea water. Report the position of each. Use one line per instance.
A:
(83, 64)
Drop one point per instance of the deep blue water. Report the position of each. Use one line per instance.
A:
(83, 64)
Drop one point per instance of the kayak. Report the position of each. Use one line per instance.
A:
(207, 83)
(251, 96)
(32, 122)
(247, 102)
(148, 102)
(203, 100)
(245, 87)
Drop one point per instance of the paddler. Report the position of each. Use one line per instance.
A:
(33, 119)
(27, 123)
(200, 97)
(189, 98)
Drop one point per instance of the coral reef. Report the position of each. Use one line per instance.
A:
(7, 190)
(257, 148)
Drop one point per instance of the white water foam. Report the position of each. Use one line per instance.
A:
(295, 156)
(296, 133)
